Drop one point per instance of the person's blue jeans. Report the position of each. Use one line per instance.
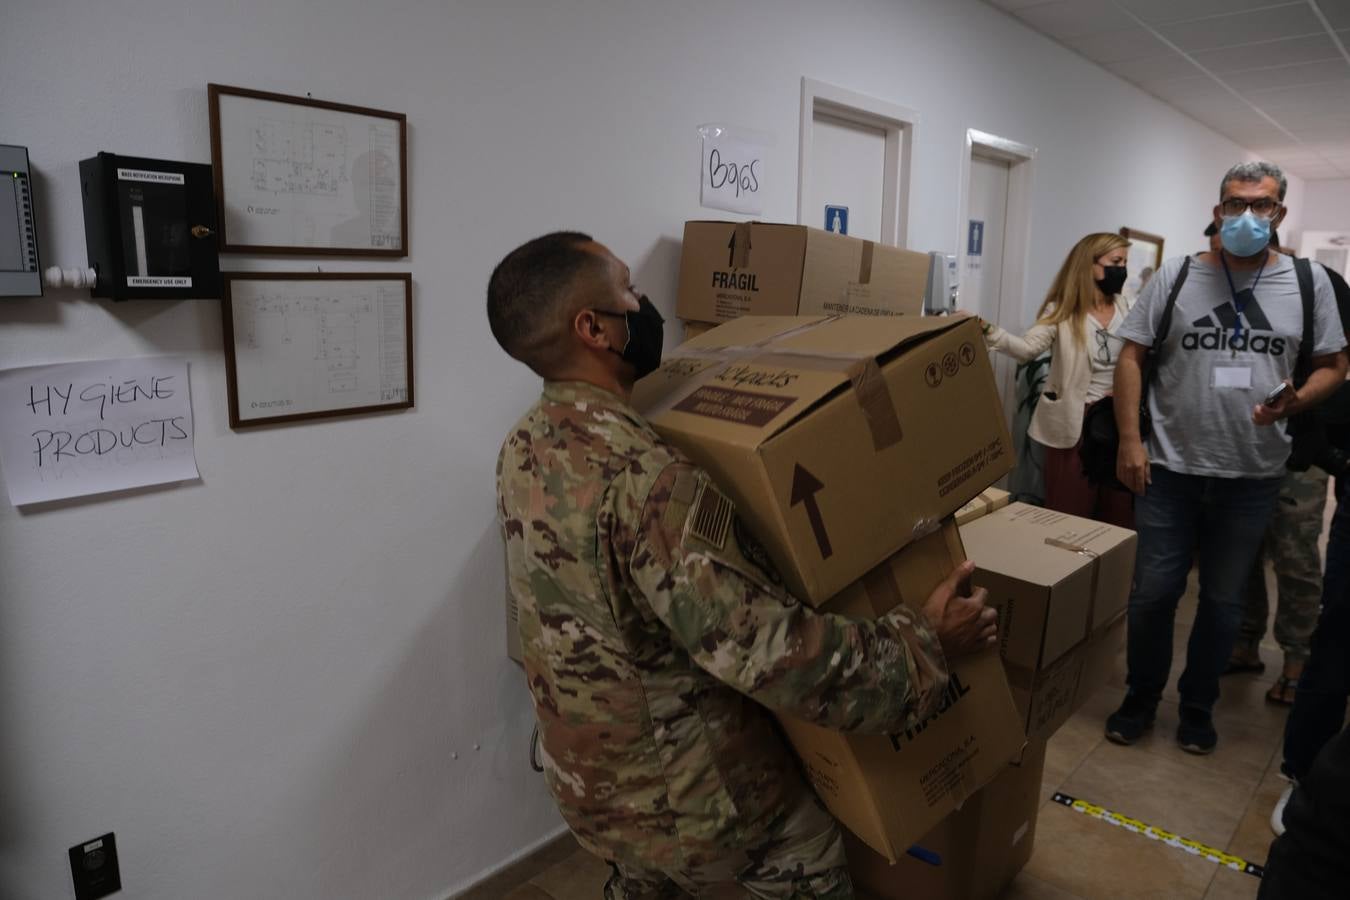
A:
(1180, 517)
(1324, 686)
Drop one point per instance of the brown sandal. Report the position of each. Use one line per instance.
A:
(1283, 691)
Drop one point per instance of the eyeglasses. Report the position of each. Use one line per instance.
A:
(1104, 346)
(1264, 207)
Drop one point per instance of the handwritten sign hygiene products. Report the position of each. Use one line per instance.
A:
(732, 171)
(75, 429)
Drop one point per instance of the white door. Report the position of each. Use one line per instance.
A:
(985, 234)
(847, 175)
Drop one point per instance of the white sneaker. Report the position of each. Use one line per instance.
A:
(1277, 815)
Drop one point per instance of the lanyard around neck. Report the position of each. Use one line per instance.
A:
(1240, 303)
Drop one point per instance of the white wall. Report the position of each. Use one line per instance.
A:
(1326, 206)
(259, 681)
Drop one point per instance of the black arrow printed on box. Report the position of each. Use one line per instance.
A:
(805, 486)
(739, 245)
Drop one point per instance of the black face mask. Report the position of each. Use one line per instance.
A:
(646, 334)
(1114, 280)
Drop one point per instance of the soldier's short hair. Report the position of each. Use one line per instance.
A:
(527, 292)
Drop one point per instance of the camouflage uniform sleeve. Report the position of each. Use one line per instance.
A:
(705, 577)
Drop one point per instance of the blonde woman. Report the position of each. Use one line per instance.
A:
(1079, 320)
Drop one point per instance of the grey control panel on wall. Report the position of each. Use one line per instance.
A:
(20, 270)
(150, 228)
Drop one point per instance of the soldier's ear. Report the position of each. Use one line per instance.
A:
(591, 329)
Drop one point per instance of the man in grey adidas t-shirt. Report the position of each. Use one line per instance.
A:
(1207, 476)
(1208, 381)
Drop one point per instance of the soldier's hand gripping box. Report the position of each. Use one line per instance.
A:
(1061, 584)
(891, 789)
(840, 439)
(732, 269)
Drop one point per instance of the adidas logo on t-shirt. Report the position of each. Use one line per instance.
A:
(1223, 320)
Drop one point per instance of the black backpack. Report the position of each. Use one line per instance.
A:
(1321, 436)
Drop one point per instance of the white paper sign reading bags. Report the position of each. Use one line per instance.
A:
(74, 429)
(732, 171)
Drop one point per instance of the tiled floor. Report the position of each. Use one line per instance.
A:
(1223, 800)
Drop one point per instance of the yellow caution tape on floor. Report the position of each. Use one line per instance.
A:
(1195, 848)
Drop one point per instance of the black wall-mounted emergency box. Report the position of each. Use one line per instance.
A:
(150, 228)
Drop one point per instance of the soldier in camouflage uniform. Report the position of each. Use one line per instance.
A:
(654, 633)
(1291, 546)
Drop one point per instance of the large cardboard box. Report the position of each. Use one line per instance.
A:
(988, 501)
(839, 439)
(1060, 584)
(972, 854)
(731, 269)
(890, 789)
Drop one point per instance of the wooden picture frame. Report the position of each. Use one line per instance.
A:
(316, 344)
(307, 177)
(1146, 257)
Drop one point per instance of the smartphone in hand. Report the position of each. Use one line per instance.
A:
(1276, 393)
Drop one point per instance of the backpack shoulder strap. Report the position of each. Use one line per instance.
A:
(1166, 324)
(1153, 353)
(1303, 368)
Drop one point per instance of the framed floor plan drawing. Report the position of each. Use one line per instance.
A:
(302, 345)
(302, 176)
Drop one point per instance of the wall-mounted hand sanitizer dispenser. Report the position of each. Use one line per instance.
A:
(150, 228)
(940, 295)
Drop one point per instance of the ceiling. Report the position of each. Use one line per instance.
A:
(1272, 75)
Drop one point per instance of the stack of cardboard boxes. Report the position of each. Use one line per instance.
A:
(860, 451)
(1061, 585)
(837, 441)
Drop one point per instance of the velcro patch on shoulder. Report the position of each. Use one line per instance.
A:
(712, 516)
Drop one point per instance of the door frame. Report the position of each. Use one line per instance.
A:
(1016, 236)
(899, 124)
(1021, 160)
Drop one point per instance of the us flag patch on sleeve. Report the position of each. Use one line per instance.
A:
(712, 516)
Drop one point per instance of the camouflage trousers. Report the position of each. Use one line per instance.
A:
(802, 858)
(1291, 547)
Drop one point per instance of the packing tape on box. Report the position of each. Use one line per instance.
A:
(924, 527)
(1028, 678)
(985, 504)
(869, 384)
(1195, 848)
(1096, 569)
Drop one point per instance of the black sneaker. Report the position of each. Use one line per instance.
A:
(1196, 732)
(1128, 724)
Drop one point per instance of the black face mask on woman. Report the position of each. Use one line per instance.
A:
(1113, 281)
(646, 334)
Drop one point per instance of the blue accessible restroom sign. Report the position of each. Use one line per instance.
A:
(975, 238)
(836, 219)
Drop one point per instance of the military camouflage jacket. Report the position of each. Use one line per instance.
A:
(655, 634)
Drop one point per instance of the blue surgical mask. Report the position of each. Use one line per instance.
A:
(1245, 235)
